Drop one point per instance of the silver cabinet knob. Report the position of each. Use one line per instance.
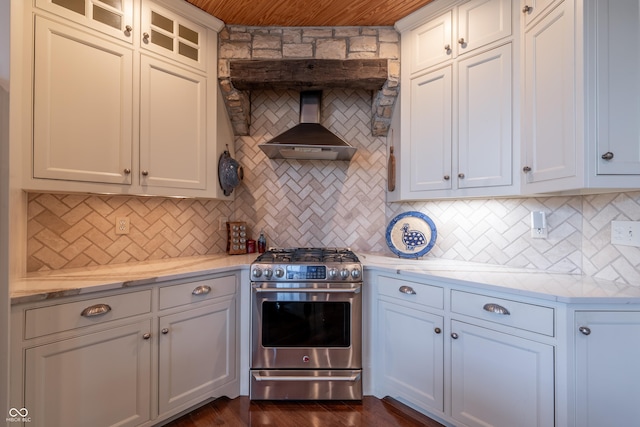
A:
(146, 336)
(145, 37)
(127, 30)
(527, 9)
(127, 171)
(461, 41)
(454, 335)
(437, 330)
(145, 173)
(585, 330)
(461, 175)
(165, 331)
(607, 156)
(526, 169)
(446, 177)
(447, 47)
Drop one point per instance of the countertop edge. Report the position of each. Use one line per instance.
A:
(541, 285)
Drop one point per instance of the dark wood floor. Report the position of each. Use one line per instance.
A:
(371, 412)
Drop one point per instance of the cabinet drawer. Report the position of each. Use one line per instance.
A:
(201, 290)
(427, 295)
(530, 317)
(63, 317)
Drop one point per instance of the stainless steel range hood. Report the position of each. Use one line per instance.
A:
(308, 140)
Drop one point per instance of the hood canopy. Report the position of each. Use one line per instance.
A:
(308, 140)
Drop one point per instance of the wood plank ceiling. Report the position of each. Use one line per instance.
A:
(309, 13)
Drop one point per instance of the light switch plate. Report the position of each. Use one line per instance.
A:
(626, 233)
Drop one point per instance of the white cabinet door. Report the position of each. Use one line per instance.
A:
(197, 354)
(429, 137)
(500, 380)
(99, 379)
(431, 43)
(83, 109)
(550, 144)
(607, 369)
(173, 128)
(485, 119)
(532, 9)
(617, 96)
(481, 22)
(411, 357)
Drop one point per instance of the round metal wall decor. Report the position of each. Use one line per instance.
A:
(230, 173)
(411, 234)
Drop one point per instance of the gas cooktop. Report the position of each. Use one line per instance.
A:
(305, 264)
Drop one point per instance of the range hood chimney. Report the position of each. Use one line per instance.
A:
(308, 140)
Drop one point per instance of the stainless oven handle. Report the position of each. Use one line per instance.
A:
(309, 290)
(258, 377)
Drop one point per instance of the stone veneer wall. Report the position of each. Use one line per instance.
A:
(246, 43)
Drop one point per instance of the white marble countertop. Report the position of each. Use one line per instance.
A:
(53, 284)
(563, 288)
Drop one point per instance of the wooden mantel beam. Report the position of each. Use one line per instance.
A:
(308, 74)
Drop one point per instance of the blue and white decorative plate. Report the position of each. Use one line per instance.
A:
(411, 234)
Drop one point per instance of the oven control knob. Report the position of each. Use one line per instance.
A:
(268, 273)
(279, 272)
(355, 273)
(344, 273)
(257, 272)
(332, 273)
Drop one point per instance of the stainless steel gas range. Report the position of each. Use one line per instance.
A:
(306, 325)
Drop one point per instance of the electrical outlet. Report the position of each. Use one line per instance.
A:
(122, 225)
(626, 233)
(222, 223)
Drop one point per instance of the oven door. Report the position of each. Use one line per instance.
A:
(306, 326)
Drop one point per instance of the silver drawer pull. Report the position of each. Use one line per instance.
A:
(407, 290)
(495, 308)
(96, 310)
(202, 290)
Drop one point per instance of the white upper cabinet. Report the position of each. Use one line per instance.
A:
(581, 100)
(83, 110)
(481, 22)
(616, 89)
(113, 17)
(172, 126)
(550, 140)
(432, 43)
(124, 114)
(456, 126)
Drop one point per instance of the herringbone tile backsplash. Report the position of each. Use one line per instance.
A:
(301, 203)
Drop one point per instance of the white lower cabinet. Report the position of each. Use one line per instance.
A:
(469, 359)
(499, 379)
(125, 359)
(411, 364)
(194, 353)
(98, 379)
(607, 372)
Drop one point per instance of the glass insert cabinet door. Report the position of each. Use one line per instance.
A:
(113, 17)
(172, 36)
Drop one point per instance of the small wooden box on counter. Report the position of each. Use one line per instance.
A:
(236, 238)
